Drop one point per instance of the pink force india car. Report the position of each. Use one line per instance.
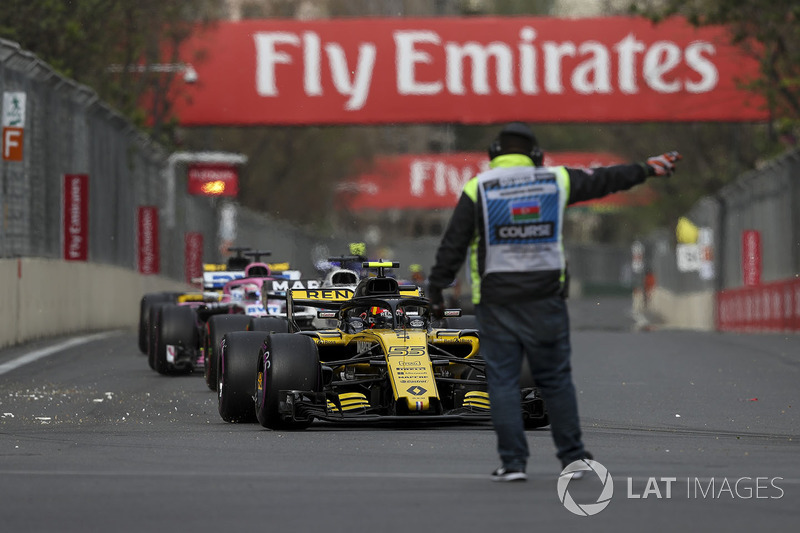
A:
(174, 326)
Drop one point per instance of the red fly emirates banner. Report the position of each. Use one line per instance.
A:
(76, 217)
(436, 181)
(466, 70)
(192, 255)
(147, 250)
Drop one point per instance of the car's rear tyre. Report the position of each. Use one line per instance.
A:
(236, 375)
(153, 327)
(286, 362)
(271, 324)
(177, 327)
(216, 328)
(145, 304)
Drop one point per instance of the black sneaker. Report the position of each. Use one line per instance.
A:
(506, 474)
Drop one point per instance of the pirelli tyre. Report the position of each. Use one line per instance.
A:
(153, 328)
(215, 329)
(269, 324)
(236, 375)
(177, 327)
(288, 361)
(146, 303)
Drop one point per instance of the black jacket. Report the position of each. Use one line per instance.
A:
(465, 229)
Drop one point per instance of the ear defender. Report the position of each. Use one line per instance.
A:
(537, 156)
(494, 149)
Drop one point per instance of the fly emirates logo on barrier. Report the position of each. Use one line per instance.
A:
(471, 70)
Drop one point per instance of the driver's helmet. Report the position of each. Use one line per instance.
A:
(377, 317)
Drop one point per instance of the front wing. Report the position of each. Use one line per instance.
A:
(303, 405)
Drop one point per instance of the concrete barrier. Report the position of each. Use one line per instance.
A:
(47, 297)
(693, 310)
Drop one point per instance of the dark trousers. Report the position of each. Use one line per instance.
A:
(538, 330)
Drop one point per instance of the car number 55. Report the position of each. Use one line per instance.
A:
(406, 350)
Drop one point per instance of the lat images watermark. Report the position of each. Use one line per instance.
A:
(582, 466)
(698, 488)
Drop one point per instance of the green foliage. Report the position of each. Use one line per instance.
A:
(292, 172)
(768, 31)
(100, 43)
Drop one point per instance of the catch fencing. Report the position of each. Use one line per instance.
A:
(743, 268)
(54, 128)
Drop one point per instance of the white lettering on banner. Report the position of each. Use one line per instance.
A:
(479, 56)
(268, 56)
(312, 64)
(358, 87)
(446, 179)
(661, 58)
(527, 58)
(406, 56)
(626, 50)
(553, 53)
(495, 67)
(592, 75)
(215, 174)
(709, 75)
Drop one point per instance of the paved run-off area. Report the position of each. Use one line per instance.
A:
(698, 431)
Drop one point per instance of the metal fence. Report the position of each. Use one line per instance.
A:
(68, 130)
(766, 200)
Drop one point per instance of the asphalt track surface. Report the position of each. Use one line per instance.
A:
(92, 440)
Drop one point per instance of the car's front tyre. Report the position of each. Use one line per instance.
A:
(235, 370)
(287, 361)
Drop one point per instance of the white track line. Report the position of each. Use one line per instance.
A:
(50, 350)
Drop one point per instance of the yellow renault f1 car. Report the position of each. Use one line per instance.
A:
(384, 362)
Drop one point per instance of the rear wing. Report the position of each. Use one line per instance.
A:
(325, 298)
(216, 279)
(282, 285)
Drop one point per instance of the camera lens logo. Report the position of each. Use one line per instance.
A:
(581, 467)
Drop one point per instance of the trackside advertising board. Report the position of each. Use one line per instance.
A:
(13, 123)
(75, 225)
(475, 70)
(751, 258)
(147, 249)
(192, 255)
(435, 181)
(212, 179)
